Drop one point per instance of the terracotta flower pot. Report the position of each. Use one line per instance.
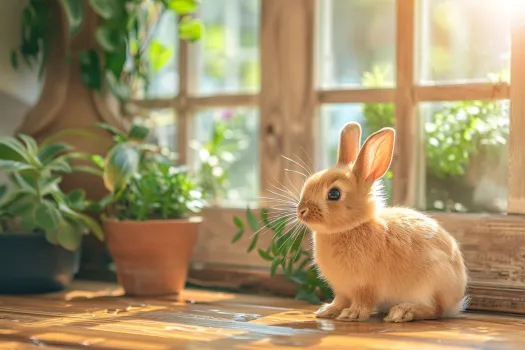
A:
(152, 257)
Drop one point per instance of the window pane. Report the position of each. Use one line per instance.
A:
(466, 155)
(464, 40)
(371, 116)
(225, 154)
(357, 43)
(229, 51)
(161, 57)
(163, 127)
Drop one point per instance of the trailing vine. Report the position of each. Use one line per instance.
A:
(126, 49)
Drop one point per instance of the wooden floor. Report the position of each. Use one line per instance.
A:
(95, 315)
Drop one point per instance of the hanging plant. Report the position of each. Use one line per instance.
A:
(124, 34)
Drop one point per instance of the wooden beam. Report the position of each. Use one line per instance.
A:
(356, 96)
(181, 105)
(153, 104)
(405, 155)
(516, 182)
(464, 92)
(287, 99)
(223, 101)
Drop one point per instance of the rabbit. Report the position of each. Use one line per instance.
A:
(393, 260)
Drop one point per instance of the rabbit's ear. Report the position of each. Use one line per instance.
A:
(349, 144)
(375, 156)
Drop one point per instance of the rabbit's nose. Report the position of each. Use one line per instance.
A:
(303, 212)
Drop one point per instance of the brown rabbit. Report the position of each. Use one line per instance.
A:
(374, 257)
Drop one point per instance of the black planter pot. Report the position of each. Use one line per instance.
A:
(31, 265)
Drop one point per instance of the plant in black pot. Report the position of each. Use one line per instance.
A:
(41, 227)
(149, 219)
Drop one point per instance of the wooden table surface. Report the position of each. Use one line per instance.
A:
(96, 315)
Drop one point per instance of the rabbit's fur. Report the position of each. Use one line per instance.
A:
(394, 260)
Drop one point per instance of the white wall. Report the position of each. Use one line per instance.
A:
(18, 88)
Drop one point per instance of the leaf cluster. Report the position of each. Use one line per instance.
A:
(125, 28)
(286, 254)
(143, 182)
(33, 201)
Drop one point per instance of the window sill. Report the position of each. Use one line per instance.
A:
(493, 246)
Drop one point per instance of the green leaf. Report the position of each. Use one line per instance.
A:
(253, 243)
(190, 29)
(308, 296)
(138, 132)
(264, 217)
(183, 7)
(300, 277)
(11, 165)
(86, 169)
(252, 220)
(60, 166)
(106, 9)
(52, 236)
(91, 73)
(15, 146)
(50, 151)
(275, 265)
(304, 263)
(113, 130)
(47, 216)
(121, 164)
(237, 236)
(238, 223)
(278, 226)
(90, 223)
(74, 10)
(120, 89)
(49, 185)
(22, 206)
(108, 38)
(25, 181)
(69, 236)
(265, 255)
(3, 190)
(101, 204)
(31, 145)
(159, 55)
(76, 199)
(115, 60)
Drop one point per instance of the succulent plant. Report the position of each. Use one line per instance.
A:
(33, 202)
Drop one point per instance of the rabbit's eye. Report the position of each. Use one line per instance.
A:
(334, 194)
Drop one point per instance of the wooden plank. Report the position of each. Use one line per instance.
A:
(287, 98)
(356, 96)
(217, 320)
(407, 139)
(223, 101)
(493, 247)
(477, 91)
(516, 184)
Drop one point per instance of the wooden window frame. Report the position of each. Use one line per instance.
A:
(493, 244)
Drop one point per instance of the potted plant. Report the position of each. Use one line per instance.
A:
(41, 227)
(148, 221)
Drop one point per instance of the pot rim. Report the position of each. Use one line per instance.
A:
(189, 220)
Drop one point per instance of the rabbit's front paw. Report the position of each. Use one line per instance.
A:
(328, 311)
(400, 313)
(355, 313)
